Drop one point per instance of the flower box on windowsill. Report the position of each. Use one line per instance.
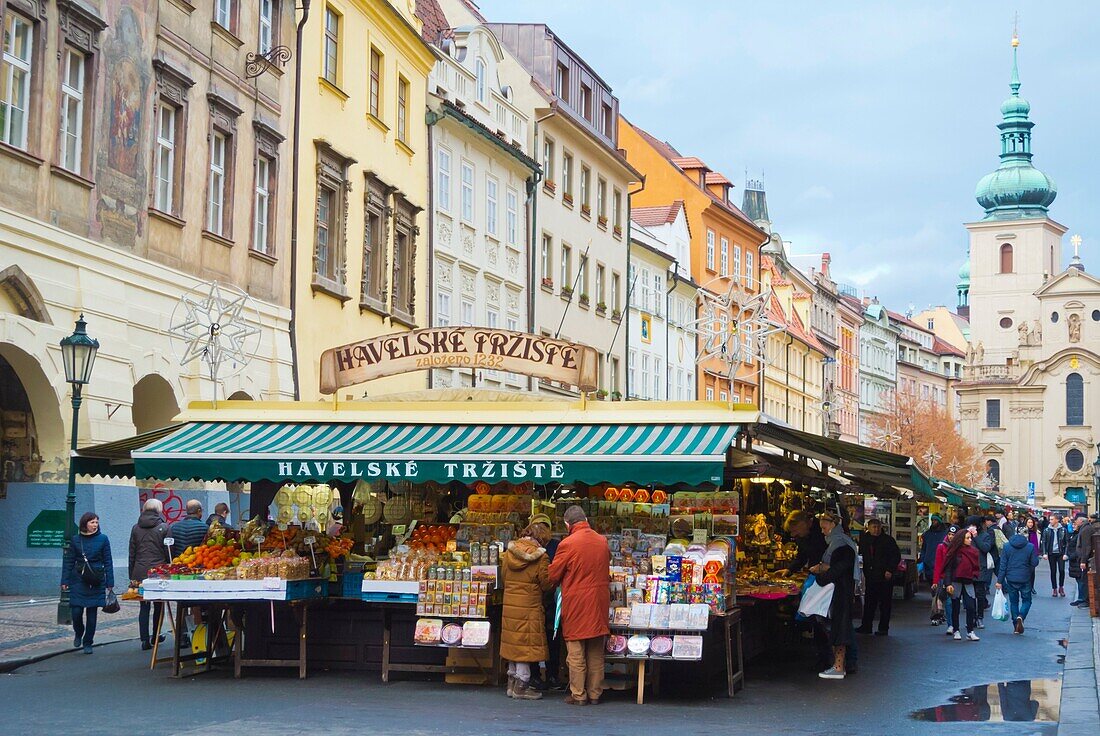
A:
(616, 396)
(549, 186)
(617, 231)
(566, 293)
(567, 198)
(548, 284)
(586, 212)
(584, 301)
(601, 308)
(601, 395)
(616, 315)
(602, 222)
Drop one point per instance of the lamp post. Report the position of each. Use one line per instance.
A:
(1096, 477)
(78, 352)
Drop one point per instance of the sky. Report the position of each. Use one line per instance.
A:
(870, 123)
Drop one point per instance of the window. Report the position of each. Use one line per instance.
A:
(658, 293)
(614, 292)
(607, 122)
(443, 309)
(643, 386)
(710, 393)
(492, 318)
(443, 179)
(223, 13)
(586, 102)
(601, 200)
(511, 225)
(72, 110)
(267, 25)
(375, 108)
(993, 472)
(1005, 323)
(1075, 400)
(1054, 317)
(599, 286)
(331, 67)
(736, 262)
(631, 372)
(617, 210)
(613, 382)
(261, 205)
(566, 267)
(1006, 258)
(710, 250)
(467, 317)
(992, 413)
(404, 260)
(215, 205)
(491, 205)
(402, 109)
(586, 176)
(164, 195)
(467, 191)
(375, 237)
(562, 81)
(749, 272)
(548, 160)
(567, 176)
(582, 275)
(15, 82)
(329, 262)
(724, 258)
(479, 80)
(1075, 460)
(658, 379)
(546, 258)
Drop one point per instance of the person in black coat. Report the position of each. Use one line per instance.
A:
(147, 549)
(930, 540)
(881, 558)
(807, 536)
(837, 567)
(1054, 545)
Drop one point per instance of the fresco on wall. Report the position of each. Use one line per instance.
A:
(122, 168)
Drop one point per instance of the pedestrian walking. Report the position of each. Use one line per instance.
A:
(525, 569)
(1031, 531)
(929, 542)
(837, 566)
(1054, 543)
(88, 574)
(988, 554)
(1018, 563)
(582, 566)
(147, 550)
(961, 567)
(881, 558)
(939, 590)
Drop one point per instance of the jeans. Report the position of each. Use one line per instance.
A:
(1057, 570)
(1019, 599)
(968, 600)
(1082, 589)
(585, 658)
(143, 618)
(85, 631)
(949, 611)
(880, 597)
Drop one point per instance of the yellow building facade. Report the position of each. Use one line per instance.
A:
(361, 259)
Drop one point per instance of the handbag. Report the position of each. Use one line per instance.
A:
(111, 604)
(816, 601)
(92, 578)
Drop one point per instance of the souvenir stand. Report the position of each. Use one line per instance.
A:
(432, 492)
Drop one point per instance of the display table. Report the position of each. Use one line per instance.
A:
(225, 604)
(727, 625)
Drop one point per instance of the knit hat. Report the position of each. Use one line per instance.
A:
(541, 519)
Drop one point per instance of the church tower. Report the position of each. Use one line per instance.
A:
(1016, 247)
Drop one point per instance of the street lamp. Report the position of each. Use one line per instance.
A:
(1096, 476)
(78, 352)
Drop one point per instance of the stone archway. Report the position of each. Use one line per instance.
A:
(155, 404)
(32, 441)
(23, 297)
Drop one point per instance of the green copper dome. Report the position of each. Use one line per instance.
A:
(964, 273)
(1016, 189)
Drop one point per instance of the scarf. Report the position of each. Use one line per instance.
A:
(836, 539)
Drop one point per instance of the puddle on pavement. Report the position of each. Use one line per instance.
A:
(1000, 702)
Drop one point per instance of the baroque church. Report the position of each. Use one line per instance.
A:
(1030, 395)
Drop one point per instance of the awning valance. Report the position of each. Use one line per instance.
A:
(317, 452)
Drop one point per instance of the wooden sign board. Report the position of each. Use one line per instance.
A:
(459, 347)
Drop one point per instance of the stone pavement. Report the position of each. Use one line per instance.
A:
(29, 630)
(1080, 706)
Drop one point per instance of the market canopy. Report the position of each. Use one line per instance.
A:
(862, 464)
(305, 452)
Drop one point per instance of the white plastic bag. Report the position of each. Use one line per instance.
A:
(816, 601)
(1000, 606)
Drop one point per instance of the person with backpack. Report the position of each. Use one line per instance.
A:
(87, 574)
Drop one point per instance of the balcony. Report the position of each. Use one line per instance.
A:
(991, 373)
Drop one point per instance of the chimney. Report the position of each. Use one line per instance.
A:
(826, 259)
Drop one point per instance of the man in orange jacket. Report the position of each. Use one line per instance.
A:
(582, 566)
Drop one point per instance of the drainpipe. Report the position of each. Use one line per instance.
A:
(533, 209)
(626, 307)
(668, 324)
(295, 147)
(787, 379)
(431, 118)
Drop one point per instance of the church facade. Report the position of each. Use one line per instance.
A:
(1030, 395)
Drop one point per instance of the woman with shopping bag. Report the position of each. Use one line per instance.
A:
(837, 568)
(89, 576)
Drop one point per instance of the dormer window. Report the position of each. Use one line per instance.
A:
(479, 75)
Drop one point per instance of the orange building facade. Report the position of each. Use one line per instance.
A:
(725, 247)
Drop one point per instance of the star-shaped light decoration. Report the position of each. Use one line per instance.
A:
(888, 439)
(215, 327)
(931, 457)
(954, 467)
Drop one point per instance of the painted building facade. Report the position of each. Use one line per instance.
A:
(482, 180)
(1028, 398)
(878, 364)
(725, 249)
(847, 387)
(661, 341)
(362, 259)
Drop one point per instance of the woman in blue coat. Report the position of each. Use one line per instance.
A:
(89, 548)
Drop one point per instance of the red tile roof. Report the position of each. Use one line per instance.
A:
(434, 19)
(688, 162)
(713, 177)
(942, 347)
(659, 215)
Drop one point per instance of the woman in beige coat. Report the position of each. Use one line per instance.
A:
(523, 635)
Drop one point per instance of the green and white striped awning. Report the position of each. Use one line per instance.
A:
(306, 452)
